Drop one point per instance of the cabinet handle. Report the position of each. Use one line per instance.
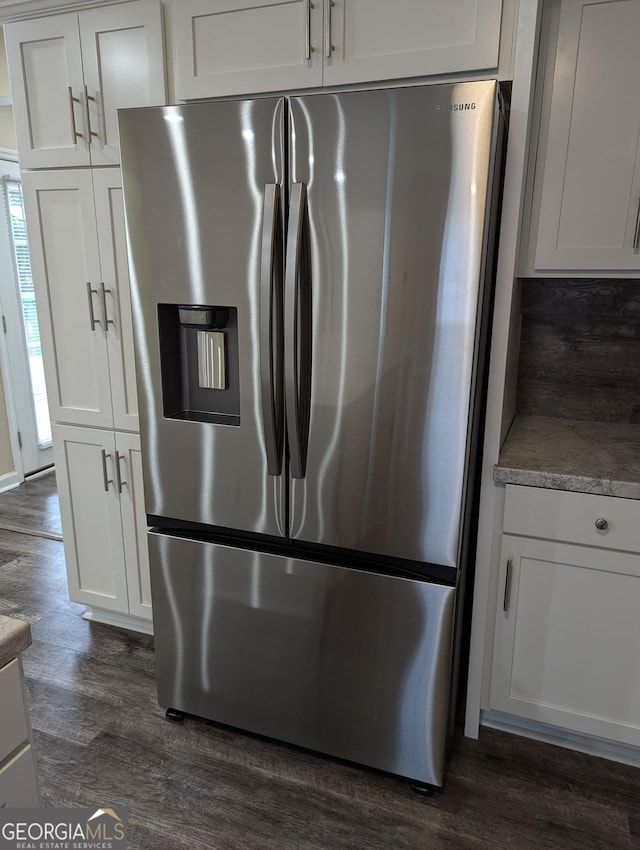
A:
(120, 482)
(74, 129)
(92, 316)
(507, 586)
(103, 295)
(87, 98)
(601, 524)
(636, 238)
(106, 479)
(328, 46)
(308, 50)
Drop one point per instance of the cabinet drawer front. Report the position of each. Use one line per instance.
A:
(13, 728)
(572, 517)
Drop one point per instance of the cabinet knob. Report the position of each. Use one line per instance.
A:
(602, 524)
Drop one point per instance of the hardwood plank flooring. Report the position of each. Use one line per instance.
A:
(101, 739)
(33, 507)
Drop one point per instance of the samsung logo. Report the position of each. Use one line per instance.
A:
(455, 107)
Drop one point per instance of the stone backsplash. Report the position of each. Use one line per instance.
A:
(580, 350)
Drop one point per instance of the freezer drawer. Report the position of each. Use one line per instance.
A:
(349, 663)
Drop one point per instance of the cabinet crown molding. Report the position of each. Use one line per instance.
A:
(18, 10)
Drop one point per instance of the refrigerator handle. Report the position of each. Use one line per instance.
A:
(271, 340)
(297, 330)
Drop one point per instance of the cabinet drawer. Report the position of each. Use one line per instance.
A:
(13, 728)
(19, 782)
(571, 517)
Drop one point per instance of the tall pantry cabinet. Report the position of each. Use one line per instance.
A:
(70, 73)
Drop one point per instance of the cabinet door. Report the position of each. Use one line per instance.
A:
(590, 199)
(376, 40)
(18, 781)
(45, 67)
(66, 271)
(241, 46)
(134, 524)
(117, 298)
(90, 511)
(123, 61)
(567, 637)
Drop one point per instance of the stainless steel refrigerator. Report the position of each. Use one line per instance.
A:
(309, 281)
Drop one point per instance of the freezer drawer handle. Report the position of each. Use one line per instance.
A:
(297, 331)
(271, 339)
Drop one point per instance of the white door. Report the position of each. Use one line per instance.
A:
(45, 67)
(242, 46)
(22, 361)
(117, 298)
(90, 511)
(123, 62)
(376, 40)
(66, 270)
(589, 217)
(134, 524)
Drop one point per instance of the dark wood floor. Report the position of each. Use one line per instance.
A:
(33, 507)
(101, 739)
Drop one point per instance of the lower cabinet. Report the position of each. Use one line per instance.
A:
(99, 475)
(18, 780)
(567, 626)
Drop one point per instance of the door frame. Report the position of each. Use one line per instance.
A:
(8, 305)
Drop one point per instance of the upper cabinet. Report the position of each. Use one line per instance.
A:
(586, 198)
(70, 74)
(75, 219)
(230, 47)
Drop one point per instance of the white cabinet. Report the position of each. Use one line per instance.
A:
(75, 221)
(18, 780)
(567, 626)
(586, 207)
(227, 47)
(70, 73)
(102, 506)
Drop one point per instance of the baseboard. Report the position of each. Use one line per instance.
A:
(8, 481)
(121, 621)
(590, 744)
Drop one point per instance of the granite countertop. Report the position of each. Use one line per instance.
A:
(15, 637)
(571, 454)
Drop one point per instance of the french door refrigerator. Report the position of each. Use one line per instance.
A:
(308, 279)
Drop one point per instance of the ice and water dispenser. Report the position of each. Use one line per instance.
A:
(199, 362)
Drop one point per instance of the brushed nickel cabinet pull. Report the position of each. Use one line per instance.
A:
(87, 98)
(105, 314)
(308, 46)
(507, 586)
(601, 524)
(120, 482)
(92, 316)
(106, 478)
(327, 21)
(74, 129)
